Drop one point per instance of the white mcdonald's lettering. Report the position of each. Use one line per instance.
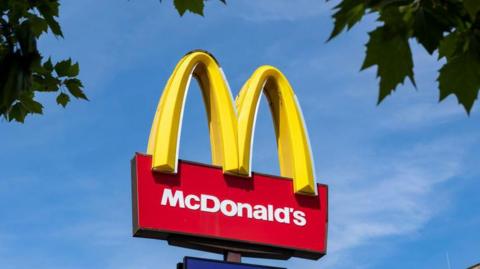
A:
(212, 204)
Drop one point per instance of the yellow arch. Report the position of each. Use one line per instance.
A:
(231, 136)
(222, 120)
(293, 146)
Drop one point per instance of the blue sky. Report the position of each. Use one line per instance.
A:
(403, 176)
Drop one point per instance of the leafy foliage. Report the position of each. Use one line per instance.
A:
(451, 27)
(23, 70)
(194, 6)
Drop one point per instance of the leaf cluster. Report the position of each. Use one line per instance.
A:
(449, 27)
(23, 70)
(194, 6)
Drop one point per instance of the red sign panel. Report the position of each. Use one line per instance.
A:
(204, 208)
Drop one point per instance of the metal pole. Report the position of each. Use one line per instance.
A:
(231, 256)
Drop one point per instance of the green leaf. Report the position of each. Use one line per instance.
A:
(194, 6)
(427, 30)
(54, 26)
(26, 39)
(472, 7)
(17, 112)
(448, 45)
(74, 86)
(460, 76)
(48, 65)
(30, 104)
(45, 83)
(63, 68)
(63, 99)
(74, 70)
(37, 24)
(49, 10)
(348, 13)
(391, 53)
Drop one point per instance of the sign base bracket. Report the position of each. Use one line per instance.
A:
(230, 256)
(232, 251)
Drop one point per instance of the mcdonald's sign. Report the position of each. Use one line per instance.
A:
(225, 206)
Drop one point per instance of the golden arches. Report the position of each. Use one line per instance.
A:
(231, 135)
